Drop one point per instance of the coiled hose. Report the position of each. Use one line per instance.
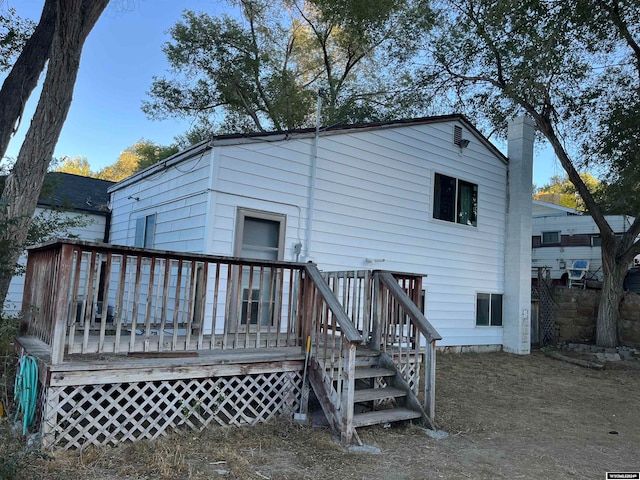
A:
(26, 391)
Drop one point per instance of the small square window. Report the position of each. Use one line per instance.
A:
(489, 310)
(596, 241)
(550, 238)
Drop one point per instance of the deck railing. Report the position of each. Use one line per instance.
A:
(334, 343)
(386, 307)
(82, 297)
(404, 334)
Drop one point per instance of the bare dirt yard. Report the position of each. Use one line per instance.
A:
(508, 417)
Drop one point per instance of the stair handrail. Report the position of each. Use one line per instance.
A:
(337, 405)
(431, 335)
(417, 317)
(349, 330)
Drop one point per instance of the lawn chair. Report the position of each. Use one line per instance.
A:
(577, 274)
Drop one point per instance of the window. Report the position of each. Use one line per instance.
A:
(596, 241)
(145, 231)
(455, 200)
(550, 238)
(489, 310)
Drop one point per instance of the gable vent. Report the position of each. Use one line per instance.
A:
(457, 135)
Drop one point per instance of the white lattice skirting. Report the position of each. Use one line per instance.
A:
(77, 416)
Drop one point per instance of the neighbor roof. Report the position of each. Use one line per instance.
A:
(73, 192)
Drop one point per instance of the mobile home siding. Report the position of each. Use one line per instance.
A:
(576, 232)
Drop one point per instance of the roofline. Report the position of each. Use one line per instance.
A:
(234, 138)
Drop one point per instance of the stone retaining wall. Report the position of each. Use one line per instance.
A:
(576, 311)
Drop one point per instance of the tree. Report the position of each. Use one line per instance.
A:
(23, 76)
(264, 72)
(14, 32)
(562, 192)
(73, 21)
(571, 66)
(77, 166)
(138, 156)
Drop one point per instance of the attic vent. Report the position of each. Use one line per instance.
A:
(457, 135)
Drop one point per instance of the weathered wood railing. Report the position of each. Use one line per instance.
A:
(335, 340)
(399, 329)
(83, 297)
(384, 307)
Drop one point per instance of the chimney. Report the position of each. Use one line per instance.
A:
(516, 329)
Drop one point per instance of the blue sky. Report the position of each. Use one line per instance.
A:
(120, 57)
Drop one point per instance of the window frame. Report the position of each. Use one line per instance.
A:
(556, 242)
(244, 213)
(145, 231)
(456, 199)
(490, 316)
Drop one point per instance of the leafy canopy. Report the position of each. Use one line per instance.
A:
(262, 69)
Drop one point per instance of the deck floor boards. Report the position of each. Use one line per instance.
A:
(106, 368)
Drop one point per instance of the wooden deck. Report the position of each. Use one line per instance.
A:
(132, 343)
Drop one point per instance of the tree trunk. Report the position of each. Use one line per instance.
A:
(74, 21)
(614, 270)
(24, 75)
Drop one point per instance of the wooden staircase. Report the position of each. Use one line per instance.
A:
(380, 395)
(371, 349)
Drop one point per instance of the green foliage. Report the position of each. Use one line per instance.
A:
(562, 192)
(14, 32)
(263, 71)
(77, 166)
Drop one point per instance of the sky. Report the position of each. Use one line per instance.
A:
(119, 59)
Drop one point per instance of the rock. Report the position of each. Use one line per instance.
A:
(435, 434)
(608, 357)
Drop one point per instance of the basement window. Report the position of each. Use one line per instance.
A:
(489, 310)
(455, 200)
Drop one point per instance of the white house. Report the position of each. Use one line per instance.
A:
(562, 235)
(69, 195)
(430, 196)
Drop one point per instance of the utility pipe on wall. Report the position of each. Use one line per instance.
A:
(312, 175)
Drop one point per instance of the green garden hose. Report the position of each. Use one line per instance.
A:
(26, 391)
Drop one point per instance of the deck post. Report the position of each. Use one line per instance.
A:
(430, 380)
(376, 327)
(348, 392)
(61, 305)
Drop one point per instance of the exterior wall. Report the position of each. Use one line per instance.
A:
(576, 312)
(373, 199)
(576, 231)
(93, 232)
(177, 195)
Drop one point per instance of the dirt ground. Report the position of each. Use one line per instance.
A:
(508, 417)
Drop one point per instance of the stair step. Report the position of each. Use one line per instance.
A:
(372, 372)
(368, 394)
(384, 416)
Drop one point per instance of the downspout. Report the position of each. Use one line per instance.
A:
(312, 177)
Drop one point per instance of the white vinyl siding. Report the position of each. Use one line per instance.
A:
(373, 199)
(92, 232)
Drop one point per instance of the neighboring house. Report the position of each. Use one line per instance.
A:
(71, 195)
(562, 235)
(427, 196)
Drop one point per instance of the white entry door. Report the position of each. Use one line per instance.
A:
(259, 235)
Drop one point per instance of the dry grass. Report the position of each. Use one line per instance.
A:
(508, 417)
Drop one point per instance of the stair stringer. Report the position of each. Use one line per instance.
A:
(322, 383)
(399, 382)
